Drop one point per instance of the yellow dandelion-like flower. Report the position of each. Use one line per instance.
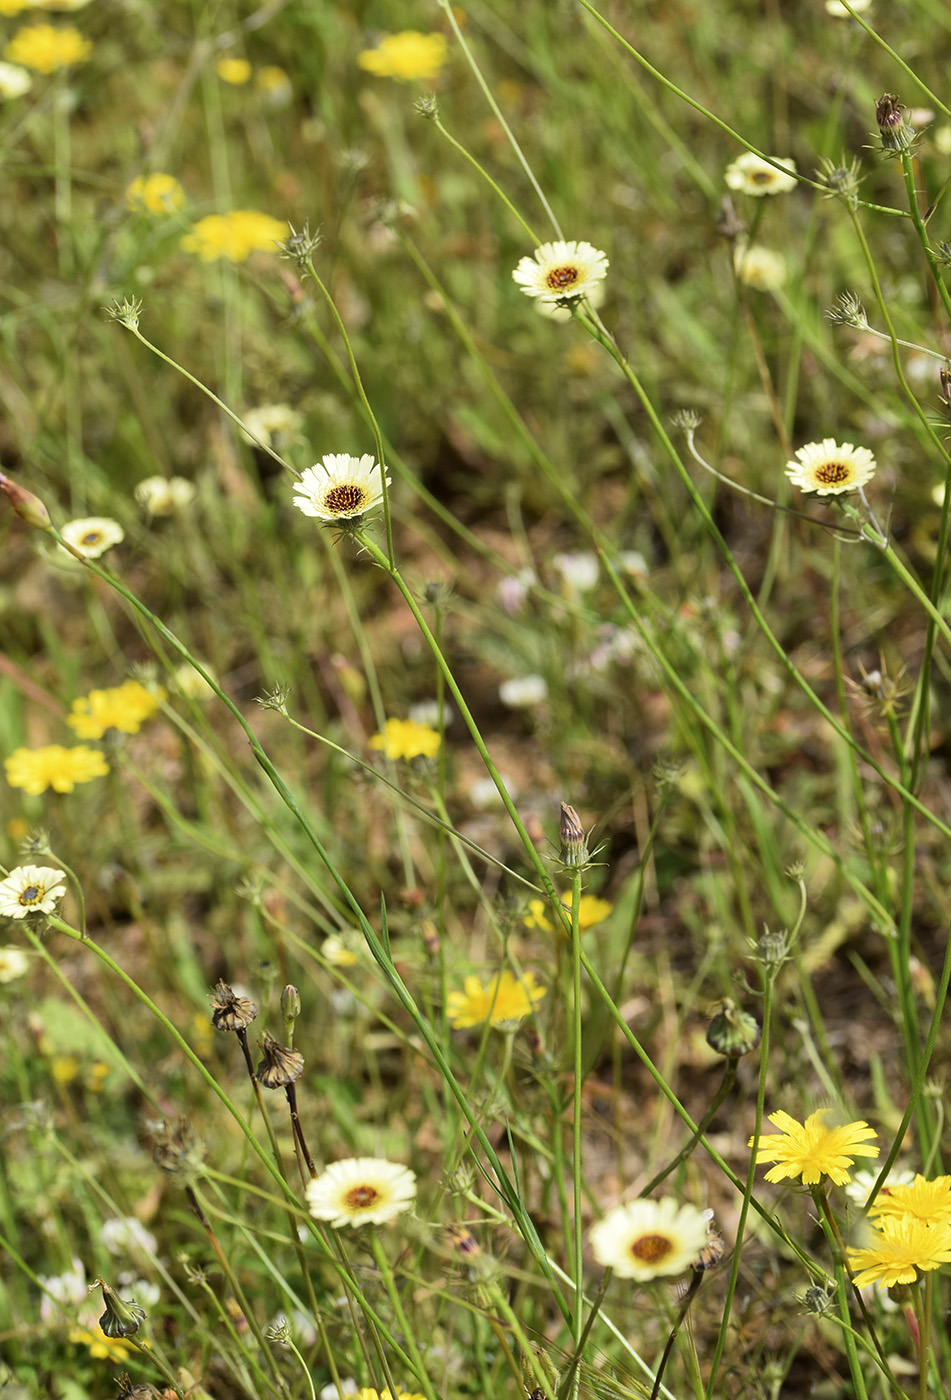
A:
(591, 911)
(9, 8)
(811, 1150)
(751, 174)
(902, 1246)
(54, 767)
(234, 236)
(920, 1199)
(828, 468)
(93, 536)
(368, 1393)
(233, 70)
(361, 1191)
(404, 738)
(46, 48)
(125, 708)
(406, 56)
(650, 1239)
(157, 193)
(504, 998)
(101, 1347)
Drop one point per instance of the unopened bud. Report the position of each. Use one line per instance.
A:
(120, 1319)
(733, 1032)
(28, 507)
(897, 133)
(574, 845)
(290, 1004)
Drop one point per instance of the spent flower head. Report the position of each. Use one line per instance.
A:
(31, 889)
(650, 1239)
(840, 180)
(126, 312)
(812, 1150)
(829, 468)
(562, 273)
(361, 1191)
(898, 136)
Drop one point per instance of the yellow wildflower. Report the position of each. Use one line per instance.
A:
(404, 738)
(155, 194)
(124, 708)
(233, 70)
(405, 56)
(35, 770)
(46, 48)
(234, 235)
(504, 998)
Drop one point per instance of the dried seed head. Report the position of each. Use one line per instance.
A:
(179, 1151)
(231, 1012)
(121, 1319)
(279, 1065)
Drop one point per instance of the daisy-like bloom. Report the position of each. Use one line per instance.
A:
(591, 911)
(54, 767)
(93, 536)
(31, 889)
(126, 1234)
(405, 56)
(811, 1150)
(271, 423)
(829, 469)
(234, 236)
(579, 572)
(361, 1191)
(14, 81)
(901, 1247)
(522, 692)
(504, 998)
(925, 1200)
(650, 1239)
(14, 963)
(838, 10)
(340, 487)
(404, 738)
(233, 70)
(125, 708)
(45, 48)
(157, 193)
(274, 85)
(165, 495)
(562, 272)
(759, 268)
(751, 174)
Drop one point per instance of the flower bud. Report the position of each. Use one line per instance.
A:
(898, 134)
(574, 845)
(28, 507)
(733, 1032)
(290, 1004)
(120, 1319)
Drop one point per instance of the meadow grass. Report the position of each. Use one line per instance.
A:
(419, 904)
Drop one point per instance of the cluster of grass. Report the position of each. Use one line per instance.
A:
(527, 840)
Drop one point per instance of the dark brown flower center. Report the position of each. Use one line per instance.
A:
(763, 177)
(91, 537)
(558, 279)
(346, 498)
(30, 895)
(650, 1249)
(833, 473)
(362, 1197)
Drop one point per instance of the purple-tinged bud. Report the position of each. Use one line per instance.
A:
(574, 844)
(28, 507)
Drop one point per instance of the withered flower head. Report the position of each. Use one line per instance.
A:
(733, 1032)
(574, 846)
(121, 1318)
(179, 1151)
(128, 1391)
(279, 1065)
(897, 133)
(231, 1012)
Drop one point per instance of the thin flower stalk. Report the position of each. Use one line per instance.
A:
(576, 1143)
(393, 1293)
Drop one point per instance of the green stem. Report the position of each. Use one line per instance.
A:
(576, 1162)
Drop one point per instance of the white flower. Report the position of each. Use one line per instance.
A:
(650, 1239)
(759, 268)
(164, 495)
(31, 889)
(361, 1191)
(863, 1179)
(829, 469)
(633, 562)
(562, 272)
(93, 536)
(513, 591)
(340, 487)
(836, 8)
(751, 174)
(14, 964)
(427, 712)
(522, 692)
(271, 422)
(484, 793)
(348, 1386)
(125, 1234)
(68, 1288)
(142, 1291)
(14, 81)
(579, 572)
